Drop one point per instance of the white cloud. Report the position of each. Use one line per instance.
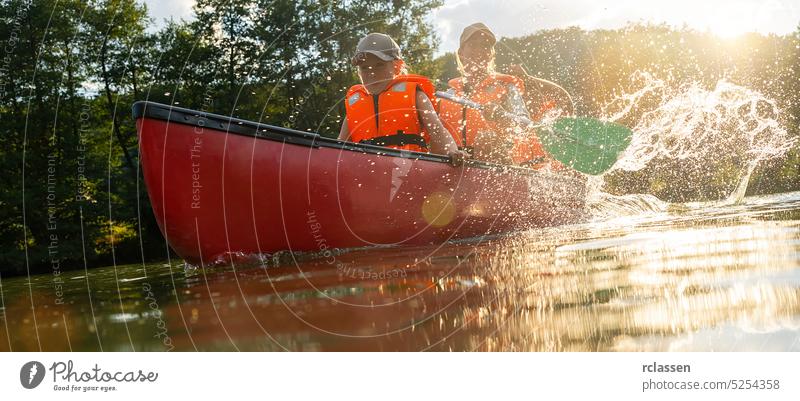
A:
(161, 10)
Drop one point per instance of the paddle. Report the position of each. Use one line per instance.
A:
(586, 144)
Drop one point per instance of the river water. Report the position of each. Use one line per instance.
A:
(648, 276)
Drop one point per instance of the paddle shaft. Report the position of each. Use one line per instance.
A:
(473, 105)
(477, 106)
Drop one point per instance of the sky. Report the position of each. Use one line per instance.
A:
(509, 18)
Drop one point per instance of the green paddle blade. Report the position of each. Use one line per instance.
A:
(587, 145)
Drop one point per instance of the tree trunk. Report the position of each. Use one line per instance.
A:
(110, 100)
(133, 80)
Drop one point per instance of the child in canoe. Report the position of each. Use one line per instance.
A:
(487, 134)
(390, 108)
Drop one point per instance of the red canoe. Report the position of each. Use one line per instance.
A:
(223, 186)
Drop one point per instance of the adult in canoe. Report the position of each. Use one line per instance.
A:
(486, 133)
(390, 107)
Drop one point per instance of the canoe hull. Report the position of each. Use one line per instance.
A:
(220, 186)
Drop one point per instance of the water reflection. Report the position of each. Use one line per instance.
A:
(723, 277)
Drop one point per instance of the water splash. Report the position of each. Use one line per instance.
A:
(693, 141)
(691, 122)
(604, 206)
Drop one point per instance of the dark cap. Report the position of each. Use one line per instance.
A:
(476, 28)
(378, 44)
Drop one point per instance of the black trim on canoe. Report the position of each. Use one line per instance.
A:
(197, 118)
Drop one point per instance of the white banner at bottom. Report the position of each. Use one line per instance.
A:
(399, 376)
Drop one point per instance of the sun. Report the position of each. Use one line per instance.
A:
(727, 28)
(729, 20)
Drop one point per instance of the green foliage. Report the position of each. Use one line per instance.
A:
(284, 63)
(68, 144)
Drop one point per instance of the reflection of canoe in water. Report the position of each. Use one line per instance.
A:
(220, 185)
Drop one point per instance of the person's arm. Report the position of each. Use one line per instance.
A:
(512, 103)
(496, 144)
(544, 90)
(550, 91)
(344, 132)
(441, 140)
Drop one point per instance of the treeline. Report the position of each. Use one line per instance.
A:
(70, 71)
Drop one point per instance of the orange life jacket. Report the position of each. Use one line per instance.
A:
(389, 118)
(465, 123)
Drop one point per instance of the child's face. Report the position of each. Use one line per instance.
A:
(375, 73)
(476, 54)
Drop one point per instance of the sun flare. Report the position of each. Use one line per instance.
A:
(730, 19)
